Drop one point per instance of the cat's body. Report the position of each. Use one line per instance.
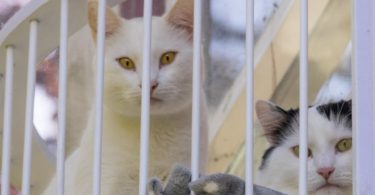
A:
(329, 161)
(170, 139)
(170, 104)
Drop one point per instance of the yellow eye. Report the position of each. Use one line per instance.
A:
(295, 151)
(167, 57)
(126, 63)
(344, 145)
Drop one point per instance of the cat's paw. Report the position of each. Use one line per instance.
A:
(218, 184)
(224, 184)
(177, 183)
(155, 187)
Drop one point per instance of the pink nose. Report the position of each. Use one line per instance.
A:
(325, 172)
(153, 85)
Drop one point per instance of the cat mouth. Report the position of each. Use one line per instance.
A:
(154, 100)
(327, 186)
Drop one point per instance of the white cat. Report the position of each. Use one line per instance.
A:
(329, 142)
(170, 128)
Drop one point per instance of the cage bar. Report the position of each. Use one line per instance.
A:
(29, 127)
(303, 97)
(145, 107)
(249, 94)
(7, 120)
(363, 96)
(60, 168)
(195, 140)
(99, 98)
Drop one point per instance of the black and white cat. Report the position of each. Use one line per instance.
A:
(329, 143)
(329, 161)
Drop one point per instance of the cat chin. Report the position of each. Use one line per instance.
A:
(160, 108)
(157, 108)
(332, 189)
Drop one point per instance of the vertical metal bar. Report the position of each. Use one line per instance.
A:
(145, 108)
(303, 101)
(7, 128)
(99, 98)
(196, 90)
(31, 71)
(363, 96)
(62, 96)
(249, 94)
(373, 81)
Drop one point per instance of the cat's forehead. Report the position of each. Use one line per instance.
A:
(321, 125)
(129, 38)
(321, 129)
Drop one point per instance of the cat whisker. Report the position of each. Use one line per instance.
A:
(167, 94)
(168, 90)
(180, 86)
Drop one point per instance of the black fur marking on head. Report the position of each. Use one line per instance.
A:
(265, 157)
(284, 129)
(341, 112)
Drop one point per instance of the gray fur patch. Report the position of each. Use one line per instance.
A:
(215, 184)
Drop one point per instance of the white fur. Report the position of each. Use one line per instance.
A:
(281, 171)
(170, 129)
(81, 87)
(122, 86)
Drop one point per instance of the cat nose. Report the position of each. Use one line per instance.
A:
(325, 172)
(153, 85)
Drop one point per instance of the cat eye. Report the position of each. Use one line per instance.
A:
(167, 58)
(344, 145)
(295, 151)
(126, 63)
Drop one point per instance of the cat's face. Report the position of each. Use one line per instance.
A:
(329, 142)
(171, 63)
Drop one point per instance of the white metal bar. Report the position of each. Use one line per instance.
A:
(31, 71)
(196, 90)
(145, 107)
(249, 94)
(7, 128)
(303, 101)
(363, 67)
(373, 82)
(99, 98)
(60, 168)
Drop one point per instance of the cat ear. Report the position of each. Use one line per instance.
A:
(271, 117)
(181, 16)
(113, 22)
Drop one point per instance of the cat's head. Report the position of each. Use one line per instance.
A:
(171, 60)
(329, 143)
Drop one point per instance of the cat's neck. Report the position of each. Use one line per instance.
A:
(178, 121)
(159, 117)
